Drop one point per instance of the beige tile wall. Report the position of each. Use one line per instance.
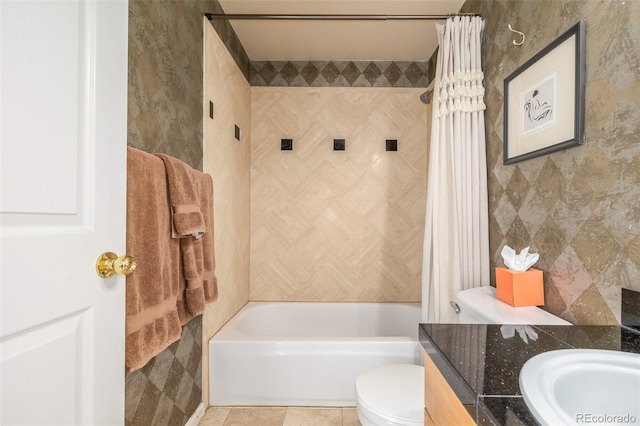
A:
(228, 162)
(337, 225)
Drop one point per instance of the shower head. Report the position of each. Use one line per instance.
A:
(426, 97)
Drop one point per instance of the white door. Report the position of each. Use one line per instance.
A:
(62, 202)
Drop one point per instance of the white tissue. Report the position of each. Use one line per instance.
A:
(519, 262)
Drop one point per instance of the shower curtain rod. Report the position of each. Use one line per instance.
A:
(305, 17)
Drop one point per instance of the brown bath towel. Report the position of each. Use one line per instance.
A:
(152, 321)
(198, 260)
(187, 218)
(191, 200)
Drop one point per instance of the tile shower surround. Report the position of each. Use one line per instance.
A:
(333, 225)
(576, 207)
(228, 162)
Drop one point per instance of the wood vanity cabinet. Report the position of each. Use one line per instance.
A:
(442, 406)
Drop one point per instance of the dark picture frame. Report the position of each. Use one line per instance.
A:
(544, 99)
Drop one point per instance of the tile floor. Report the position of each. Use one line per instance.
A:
(279, 416)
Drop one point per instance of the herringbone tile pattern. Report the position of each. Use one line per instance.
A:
(337, 225)
(228, 162)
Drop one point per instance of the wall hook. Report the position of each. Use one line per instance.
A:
(518, 32)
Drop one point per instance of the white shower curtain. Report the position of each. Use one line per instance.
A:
(456, 242)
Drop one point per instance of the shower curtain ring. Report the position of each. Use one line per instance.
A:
(518, 32)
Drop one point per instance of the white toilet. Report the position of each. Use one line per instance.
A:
(393, 394)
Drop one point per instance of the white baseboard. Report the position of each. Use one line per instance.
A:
(197, 415)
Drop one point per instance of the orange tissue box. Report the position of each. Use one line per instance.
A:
(520, 288)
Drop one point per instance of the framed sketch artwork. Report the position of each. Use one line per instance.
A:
(544, 99)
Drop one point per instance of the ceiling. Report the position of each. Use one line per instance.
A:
(277, 40)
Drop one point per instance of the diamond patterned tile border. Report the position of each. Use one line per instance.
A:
(339, 73)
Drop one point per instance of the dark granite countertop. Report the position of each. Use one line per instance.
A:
(482, 362)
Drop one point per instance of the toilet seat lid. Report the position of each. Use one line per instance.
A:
(394, 392)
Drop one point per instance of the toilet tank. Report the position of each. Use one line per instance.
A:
(480, 305)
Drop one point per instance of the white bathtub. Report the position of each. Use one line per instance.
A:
(307, 354)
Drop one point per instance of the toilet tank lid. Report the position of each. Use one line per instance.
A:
(482, 303)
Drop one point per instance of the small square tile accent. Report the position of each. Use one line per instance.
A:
(392, 145)
(286, 144)
(339, 144)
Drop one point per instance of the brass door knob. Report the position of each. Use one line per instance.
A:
(110, 263)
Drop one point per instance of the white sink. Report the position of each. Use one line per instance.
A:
(583, 386)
